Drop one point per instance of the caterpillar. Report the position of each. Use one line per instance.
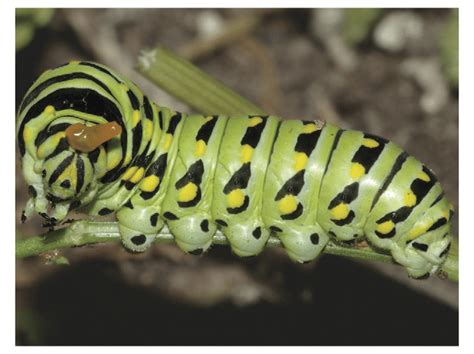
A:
(90, 140)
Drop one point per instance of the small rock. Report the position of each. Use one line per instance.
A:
(209, 24)
(427, 73)
(326, 26)
(398, 30)
(326, 22)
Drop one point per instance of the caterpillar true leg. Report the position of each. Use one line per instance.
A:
(305, 181)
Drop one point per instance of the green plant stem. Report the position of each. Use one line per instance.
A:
(207, 95)
(191, 85)
(85, 232)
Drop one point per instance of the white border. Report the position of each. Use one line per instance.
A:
(7, 146)
(7, 262)
(241, 3)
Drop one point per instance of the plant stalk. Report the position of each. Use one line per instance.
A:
(84, 232)
(191, 85)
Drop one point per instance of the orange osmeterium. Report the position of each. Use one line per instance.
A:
(87, 139)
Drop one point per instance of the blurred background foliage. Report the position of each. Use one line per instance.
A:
(391, 72)
(358, 23)
(27, 22)
(449, 46)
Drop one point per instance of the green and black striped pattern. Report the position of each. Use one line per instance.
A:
(305, 182)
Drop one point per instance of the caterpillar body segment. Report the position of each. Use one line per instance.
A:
(305, 182)
(292, 184)
(139, 218)
(189, 197)
(239, 181)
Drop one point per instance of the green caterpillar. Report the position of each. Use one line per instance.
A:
(90, 140)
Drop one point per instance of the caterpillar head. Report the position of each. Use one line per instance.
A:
(70, 158)
(70, 138)
(66, 176)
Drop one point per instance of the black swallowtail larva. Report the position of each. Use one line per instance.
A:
(90, 140)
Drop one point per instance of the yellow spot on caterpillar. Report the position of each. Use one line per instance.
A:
(385, 227)
(49, 110)
(168, 141)
(246, 154)
(446, 214)
(129, 173)
(135, 118)
(255, 121)
(200, 148)
(74, 62)
(207, 119)
(43, 151)
(28, 134)
(73, 175)
(423, 176)
(65, 174)
(127, 160)
(410, 199)
(370, 143)
(288, 204)
(149, 183)
(340, 211)
(188, 192)
(147, 129)
(113, 160)
(49, 145)
(137, 176)
(309, 128)
(69, 173)
(235, 198)
(417, 231)
(357, 170)
(124, 87)
(300, 161)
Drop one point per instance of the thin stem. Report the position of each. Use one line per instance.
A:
(191, 85)
(86, 232)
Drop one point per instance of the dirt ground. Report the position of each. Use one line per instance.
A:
(302, 64)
